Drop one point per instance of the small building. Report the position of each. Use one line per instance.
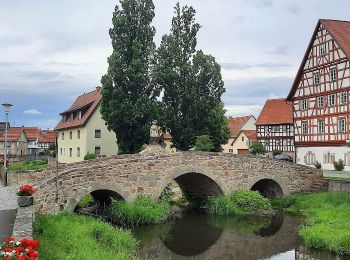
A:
(236, 125)
(82, 130)
(47, 140)
(274, 126)
(17, 142)
(32, 134)
(243, 142)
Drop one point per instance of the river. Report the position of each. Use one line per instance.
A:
(194, 235)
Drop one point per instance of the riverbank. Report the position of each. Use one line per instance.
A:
(327, 219)
(66, 236)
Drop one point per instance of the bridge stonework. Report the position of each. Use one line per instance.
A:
(149, 174)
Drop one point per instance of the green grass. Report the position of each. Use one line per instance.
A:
(70, 236)
(337, 178)
(328, 219)
(239, 202)
(86, 201)
(141, 211)
(28, 165)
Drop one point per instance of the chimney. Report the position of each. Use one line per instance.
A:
(98, 88)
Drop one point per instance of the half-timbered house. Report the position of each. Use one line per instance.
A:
(320, 96)
(274, 126)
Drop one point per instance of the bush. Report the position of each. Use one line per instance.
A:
(318, 165)
(89, 156)
(142, 211)
(68, 236)
(239, 202)
(276, 152)
(204, 143)
(86, 201)
(338, 165)
(257, 148)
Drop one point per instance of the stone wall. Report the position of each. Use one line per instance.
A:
(23, 226)
(149, 173)
(339, 185)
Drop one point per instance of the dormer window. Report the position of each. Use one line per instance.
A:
(79, 115)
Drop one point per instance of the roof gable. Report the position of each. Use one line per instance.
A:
(236, 123)
(276, 112)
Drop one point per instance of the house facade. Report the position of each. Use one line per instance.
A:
(243, 142)
(17, 142)
(82, 130)
(47, 140)
(236, 125)
(320, 97)
(275, 128)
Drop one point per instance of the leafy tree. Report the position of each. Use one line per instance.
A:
(192, 84)
(128, 94)
(257, 148)
(203, 143)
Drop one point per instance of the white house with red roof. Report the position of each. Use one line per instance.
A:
(274, 126)
(236, 125)
(82, 130)
(320, 97)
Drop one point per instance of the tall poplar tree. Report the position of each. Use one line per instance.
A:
(192, 85)
(128, 94)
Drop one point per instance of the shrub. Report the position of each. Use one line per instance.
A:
(86, 201)
(338, 165)
(222, 206)
(89, 156)
(142, 211)
(276, 152)
(257, 148)
(318, 165)
(68, 236)
(204, 143)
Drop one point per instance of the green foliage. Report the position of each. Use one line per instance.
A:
(276, 152)
(257, 148)
(128, 93)
(204, 143)
(318, 165)
(327, 215)
(192, 85)
(86, 201)
(239, 202)
(338, 165)
(66, 236)
(142, 211)
(89, 156)
(28, 165)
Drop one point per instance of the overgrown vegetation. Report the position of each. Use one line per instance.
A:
(257, 148)
(28, 165)
(338, 165)
(318, 165)
(327, 215)
(240, 202)
(276, 152)
(89, 156)
(141, 211)
(67, 236)
(204, 143)
(86, 201)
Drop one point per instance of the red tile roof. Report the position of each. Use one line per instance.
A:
(235, 124)
(32, 133)
(90, 101)
(13, 134)
(47, 136)
(339, 30)
(251, 134)
(276, 112)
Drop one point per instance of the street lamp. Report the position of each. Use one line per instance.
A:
(7, 108)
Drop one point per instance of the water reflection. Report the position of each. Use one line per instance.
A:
(197, 236)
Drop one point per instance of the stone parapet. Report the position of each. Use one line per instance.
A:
(23, 226)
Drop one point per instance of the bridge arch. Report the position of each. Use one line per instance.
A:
(96, 189)
(270, 187)
(185, 176)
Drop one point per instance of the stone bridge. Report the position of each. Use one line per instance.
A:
(197, 173)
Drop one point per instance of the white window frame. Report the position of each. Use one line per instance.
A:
(303, 104)
(343, 98)
(320, 101)
(331, 97)
(97, 146)
(322, 49)
(100, 133)
(341, 125)
(333, 74)
(317, 78)
(304, 128)
(320, 127)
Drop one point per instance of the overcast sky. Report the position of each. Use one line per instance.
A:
(53, 51)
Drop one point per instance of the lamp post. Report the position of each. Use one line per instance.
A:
(7, 108)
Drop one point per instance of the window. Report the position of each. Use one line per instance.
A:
(230, 150)
(331, 100)
(316, 78)
(78, 152)
(343, 98)
(62, 136)
(328, 157)
(333, 75)
(341, 125)
(79, 115)
(303, 104)
(320, 102)
(242, 138)
(322, 48)
(97, 150)
(70, 135)
(70, 152)
(304, 128)
(97, 133)
(61, 151)
(320, 127)
(78, 134)
(309, 158)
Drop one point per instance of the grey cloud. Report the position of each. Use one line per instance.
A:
(280, 50)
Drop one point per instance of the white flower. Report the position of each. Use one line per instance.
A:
(18, 243)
